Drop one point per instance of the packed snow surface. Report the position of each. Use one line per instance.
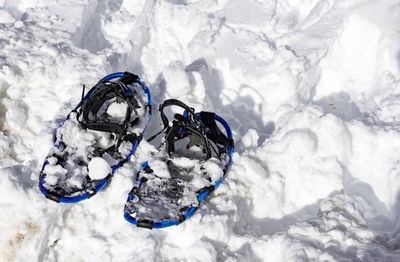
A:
(310, 88)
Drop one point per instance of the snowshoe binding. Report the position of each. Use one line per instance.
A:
(96, 138)
(191, 161)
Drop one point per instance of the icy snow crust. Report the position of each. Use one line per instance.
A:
(310, 89)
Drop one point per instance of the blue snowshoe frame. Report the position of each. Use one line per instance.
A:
(102, 183)
(189, 212)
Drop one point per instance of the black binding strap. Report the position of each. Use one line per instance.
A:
(175, 102)
(200, 128)
(182, 126)
(103, 92)
(213, 132)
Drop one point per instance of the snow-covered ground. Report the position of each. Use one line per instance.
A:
(311, 89)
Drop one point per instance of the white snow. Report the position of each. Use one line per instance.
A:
(117, 110)
(98, 168)
(310, 89)
(5, 17)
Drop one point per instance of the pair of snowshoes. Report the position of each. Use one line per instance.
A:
(103, 132)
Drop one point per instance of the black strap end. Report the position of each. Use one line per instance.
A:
(53, 196)
(231, 142)
(210, 189)
(91, 192)
(145, 223)
(181, 219)
(128, 78)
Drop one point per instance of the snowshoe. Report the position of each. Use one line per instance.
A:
(96, 138)
(193, 157)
